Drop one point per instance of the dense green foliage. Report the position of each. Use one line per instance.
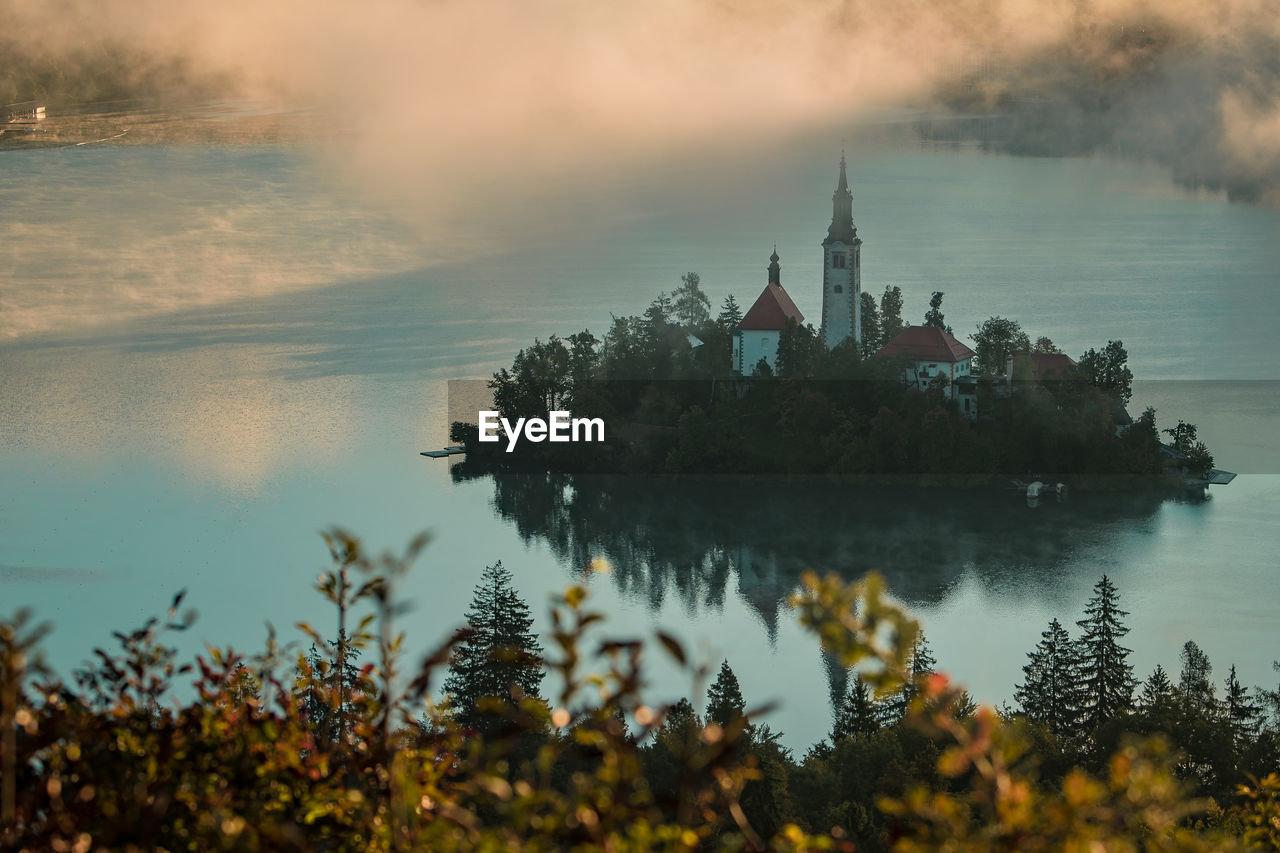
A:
(124, 759)
(498, 659)
(662, 384)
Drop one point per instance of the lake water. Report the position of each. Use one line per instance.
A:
(208, 354)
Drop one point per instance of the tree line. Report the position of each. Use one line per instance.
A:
(1077, 704)
(662, 383)
(282, 750)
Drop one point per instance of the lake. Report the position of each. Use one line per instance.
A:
(210, 353)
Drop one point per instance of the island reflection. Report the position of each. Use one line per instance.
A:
(691, 536)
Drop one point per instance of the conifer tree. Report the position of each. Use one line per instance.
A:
(1050, 693)
(891, 324)
(1194, 683)
(690, 305)
(1244, 716)
(857, 714)
(730, 314)
(326, 690)
(724, 698)
(872, 334)
(921, 667)
(1156, 690)
(502, 658)
(1106, 677)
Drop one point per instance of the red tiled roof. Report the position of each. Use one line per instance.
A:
(927, 343)
(772, 310)
(1044, 365)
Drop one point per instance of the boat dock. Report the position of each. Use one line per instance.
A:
(451, 450)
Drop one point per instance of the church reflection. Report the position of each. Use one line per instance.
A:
(700, 538)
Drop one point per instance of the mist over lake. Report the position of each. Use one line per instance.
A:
(210, 352)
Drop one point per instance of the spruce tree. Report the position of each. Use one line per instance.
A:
(501, 659)
(1050, 693)
(921, 667)
(326, 691)
(857, 714)
(1244, 716)
(1106, 677)
(1157, 690)
(724, 698)
(730, 314)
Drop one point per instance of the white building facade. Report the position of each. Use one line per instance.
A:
(931, 355)
(760, 331)
(842, 270)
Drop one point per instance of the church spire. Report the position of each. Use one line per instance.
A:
(775, 271)
(842, 229)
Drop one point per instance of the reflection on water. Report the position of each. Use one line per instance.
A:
(691, 538)
(982, 570)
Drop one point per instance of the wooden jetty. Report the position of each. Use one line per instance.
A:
(450, 450)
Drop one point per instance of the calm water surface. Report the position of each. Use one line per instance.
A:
(275, 352)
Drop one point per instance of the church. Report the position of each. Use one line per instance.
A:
(756, 337)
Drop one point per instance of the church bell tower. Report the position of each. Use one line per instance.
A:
(841, 270)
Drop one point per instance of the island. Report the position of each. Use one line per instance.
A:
(865, 394)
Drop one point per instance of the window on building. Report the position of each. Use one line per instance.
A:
(839, 288)
(837, 260)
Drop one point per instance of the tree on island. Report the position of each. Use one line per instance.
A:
(872, 334)
(539, 379)
(1050, 693)
(724, 699)
(995, 340)
(1108, 370)
(690, 305)
(730, 314)
(933, 317)
(891, 324)
(800, 350)
(1106, 677)
(1196, 456)
(501, 659)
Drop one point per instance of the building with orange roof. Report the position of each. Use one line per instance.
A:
(931, 355)
(757, 335)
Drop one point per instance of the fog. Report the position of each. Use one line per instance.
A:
(465, 105)
(485, 126)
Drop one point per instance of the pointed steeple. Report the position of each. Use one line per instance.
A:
(842, 229)
(775, 271)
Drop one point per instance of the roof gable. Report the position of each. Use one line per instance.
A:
(927, 343)
(771, 310)
(1043, 365)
